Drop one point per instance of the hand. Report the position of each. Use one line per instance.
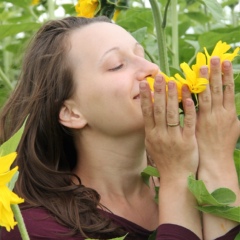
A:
(173, 148)
(217, 132)
(217, 125)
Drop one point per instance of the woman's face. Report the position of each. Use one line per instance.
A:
(108, 64)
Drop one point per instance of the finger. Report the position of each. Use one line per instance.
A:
(160, 102)
(172, 107)
(204, 98)
(216, 82)
(146, 105)
(189, 118)
(228, 86)
(185, 93)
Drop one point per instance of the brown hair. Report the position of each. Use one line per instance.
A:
(46, 153)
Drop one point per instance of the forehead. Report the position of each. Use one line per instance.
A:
(92, 41)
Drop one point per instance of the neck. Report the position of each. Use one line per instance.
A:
(111, 165)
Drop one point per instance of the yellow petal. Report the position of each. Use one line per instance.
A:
(200, 61)
(179, 90)
(150, 81)
(207, 55)
(189, 73)
(220, 48)
(167, 78)
(6, 162)
(230, 56)
(180, 79)
(115, 15)
(8, 197)
(7, 176)
(86, 8)
(200, 85)
(7, 219)
(198, 88)
(35, 2)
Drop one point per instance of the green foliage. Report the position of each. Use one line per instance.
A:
(237, 162)
(153, 236)
(217, 202)
(11, 144)
(214, 8)
(231, 213)
(220, 197)
(237, 237)
(149, 172)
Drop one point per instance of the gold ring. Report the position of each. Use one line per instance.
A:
(173, 124)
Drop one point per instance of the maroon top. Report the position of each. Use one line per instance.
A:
(42, 225)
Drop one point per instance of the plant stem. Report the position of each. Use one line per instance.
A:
(51, 7)
(206, 13)
(161, 39)
(20, 221)
(33, 13)
(175, 41)
(5, 79)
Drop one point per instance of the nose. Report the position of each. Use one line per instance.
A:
(147, 69)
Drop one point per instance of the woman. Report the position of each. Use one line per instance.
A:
(83, 148)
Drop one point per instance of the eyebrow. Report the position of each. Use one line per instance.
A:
(117, 49)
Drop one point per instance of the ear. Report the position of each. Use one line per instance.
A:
(70, 116)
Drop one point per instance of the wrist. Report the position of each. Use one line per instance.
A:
(216, 167)
(214, 180)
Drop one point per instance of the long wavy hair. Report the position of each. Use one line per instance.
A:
(46, 153)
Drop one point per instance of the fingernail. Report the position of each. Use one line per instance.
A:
(226, 64)
(143, 85)
(185, 88)
(159, 79)
(204, 70)
(215, 61)
(171, 85)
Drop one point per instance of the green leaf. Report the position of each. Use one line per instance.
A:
(140, 34)
(21, 3)
(237, 102)
(148, 172)
(237, 162)
(12, 29)
(11, 144)
(209, 39)
(220, 197)
(231, 213)
(135, 18)
(12, 182)
(198, 17)
(224, 195)
(216, 203)
(152, 171)
(4, 93)
(153, 236)
(214, 8)
(156, 194)
(237, 237)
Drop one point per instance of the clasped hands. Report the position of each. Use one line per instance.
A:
(206, 141)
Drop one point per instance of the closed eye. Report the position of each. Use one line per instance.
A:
(116, 68)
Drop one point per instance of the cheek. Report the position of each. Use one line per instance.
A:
(121, 90)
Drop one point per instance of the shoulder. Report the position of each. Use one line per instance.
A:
(40, 224)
